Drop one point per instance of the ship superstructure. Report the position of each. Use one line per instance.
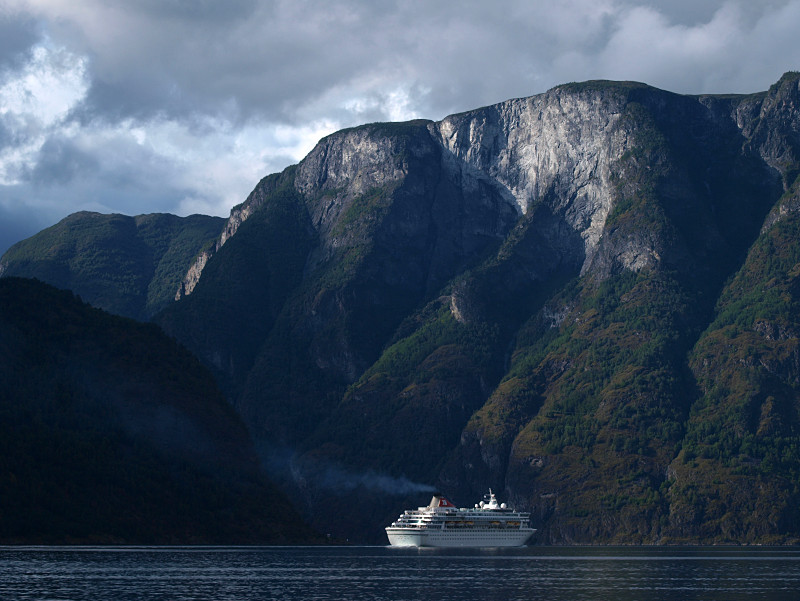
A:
(442, 524)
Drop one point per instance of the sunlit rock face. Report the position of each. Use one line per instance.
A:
(555, 148)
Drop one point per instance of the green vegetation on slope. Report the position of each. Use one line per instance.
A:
(609, 401)
(131, 266)
(737, 476)
(408, 409)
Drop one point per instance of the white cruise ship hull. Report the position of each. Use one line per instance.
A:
(407, 537)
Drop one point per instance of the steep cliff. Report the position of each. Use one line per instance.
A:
(593, 408)
(736, 475)
(508, 297)
(583, 299)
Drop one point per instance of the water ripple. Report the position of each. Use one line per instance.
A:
(382, 573)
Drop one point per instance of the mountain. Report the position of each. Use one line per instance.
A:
(583, 299)
(112, 433)
(131, 266)
(736, 475)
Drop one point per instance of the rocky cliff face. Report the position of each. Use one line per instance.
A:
(431, 334)
(556, 149)
(583, 429)
(535, 296)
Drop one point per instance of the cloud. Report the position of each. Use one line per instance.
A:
(17, 35)
(164, 166)
(736, 50)
(178, 58)
(289, 60)
(167, 105)
(16, 225)
(34, 102)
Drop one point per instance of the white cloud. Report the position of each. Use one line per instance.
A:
(224, 166)
(34, 102)
(51, 84)
(160, 165)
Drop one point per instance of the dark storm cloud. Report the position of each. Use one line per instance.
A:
(182, 105)
(281, 60)
(260, 59)
(132, 180)
(66, 179)
(17, 223)
(60, 162)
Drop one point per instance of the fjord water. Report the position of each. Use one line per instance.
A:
(384, 573)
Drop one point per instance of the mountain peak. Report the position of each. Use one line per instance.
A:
(537, 296)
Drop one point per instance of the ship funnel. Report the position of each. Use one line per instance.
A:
(440, 500)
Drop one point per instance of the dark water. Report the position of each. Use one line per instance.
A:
(351, 573)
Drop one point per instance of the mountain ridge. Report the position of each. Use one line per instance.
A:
(128, 265)
(514, 296)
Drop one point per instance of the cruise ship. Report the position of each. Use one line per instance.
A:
(442, 524)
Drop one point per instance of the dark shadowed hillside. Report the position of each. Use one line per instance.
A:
(112, 433)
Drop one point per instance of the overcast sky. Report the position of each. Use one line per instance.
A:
(181, 106)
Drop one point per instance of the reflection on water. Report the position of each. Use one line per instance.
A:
(316, 573)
